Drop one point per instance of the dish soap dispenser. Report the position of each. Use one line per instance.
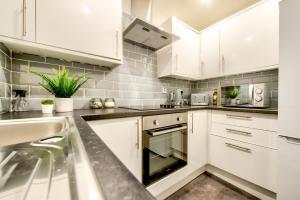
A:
(20, 102)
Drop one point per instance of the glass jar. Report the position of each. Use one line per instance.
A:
(109, 103)
(96, 103)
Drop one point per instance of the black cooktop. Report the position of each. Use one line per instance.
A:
(158, 107)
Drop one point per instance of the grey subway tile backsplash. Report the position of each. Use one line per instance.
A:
(19, 65)
(133, 83)
(5, 78)
(42, 67)
(270, 77)
(95, 93)
(4, 49)
(28, 57)
(57, 61)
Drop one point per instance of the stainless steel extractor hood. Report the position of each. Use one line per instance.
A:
(144, 33)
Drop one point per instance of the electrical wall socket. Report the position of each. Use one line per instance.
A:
(164, 90)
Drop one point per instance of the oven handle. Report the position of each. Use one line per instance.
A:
(156, 133)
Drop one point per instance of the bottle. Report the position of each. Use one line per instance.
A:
(215, 97)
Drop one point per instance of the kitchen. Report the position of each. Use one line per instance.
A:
(151, 100)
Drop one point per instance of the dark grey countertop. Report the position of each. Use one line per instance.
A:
(114, 178)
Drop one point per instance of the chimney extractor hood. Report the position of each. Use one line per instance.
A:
(142, 33)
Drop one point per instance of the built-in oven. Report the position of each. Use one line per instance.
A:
(164, 145)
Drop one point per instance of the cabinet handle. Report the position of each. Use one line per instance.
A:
(238, 147)
(192, 129)
(201, 68)
(24, 19)
(238, 132)
(176, 62)
(291, 140)
(117, 44)
(138, 134)
(222, 64)
(239, 117)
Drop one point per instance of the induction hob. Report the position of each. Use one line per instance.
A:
(158, 107)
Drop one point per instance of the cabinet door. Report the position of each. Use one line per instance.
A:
(197, 140)
(210, 52)
(91, 26)
(123, 137)
(186, 51)
(17, 19)
(249, 41)
(251, 162)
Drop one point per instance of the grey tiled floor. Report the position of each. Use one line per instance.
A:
(205, 187)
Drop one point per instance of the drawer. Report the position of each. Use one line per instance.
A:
(249, 135)
(252, 163)
(250, 120)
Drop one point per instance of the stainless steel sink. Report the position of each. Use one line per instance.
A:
(44, 159)
(20, 131)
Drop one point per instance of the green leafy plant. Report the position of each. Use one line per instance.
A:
(232, 94)
(47, 102)
(62, 84)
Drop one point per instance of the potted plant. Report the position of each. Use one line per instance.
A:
(232, 94)
(47, 106)
(62, 85)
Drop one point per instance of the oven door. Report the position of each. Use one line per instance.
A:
(164, 151)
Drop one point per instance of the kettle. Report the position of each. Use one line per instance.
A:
(176, 97)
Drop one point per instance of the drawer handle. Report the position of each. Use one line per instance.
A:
(238, 147)
(238, 132)
(239, 117)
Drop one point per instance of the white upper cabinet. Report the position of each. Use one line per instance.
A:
(92, 26)
(17, 19)
(249, 40)
(180, 59)
(210, 52)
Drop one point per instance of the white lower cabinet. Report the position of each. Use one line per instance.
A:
(250, 162)
(197, 140)
(245, 145)
(248, 135)
(245, 119)
(124, 137)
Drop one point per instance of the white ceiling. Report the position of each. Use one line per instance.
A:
(197, 13)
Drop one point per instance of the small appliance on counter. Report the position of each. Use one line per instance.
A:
(249, 95)
(176, 97)
(199, 99)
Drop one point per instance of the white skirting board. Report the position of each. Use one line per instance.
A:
(166, 187)
(251, 188)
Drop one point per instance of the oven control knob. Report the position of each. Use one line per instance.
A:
(155, 122)
(179, 119)
(258, 98)
(258, 91)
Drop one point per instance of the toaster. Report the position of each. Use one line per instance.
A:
(199, 99)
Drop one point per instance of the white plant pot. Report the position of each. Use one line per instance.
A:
(47, 109)
(63, 104)
(232, 101)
